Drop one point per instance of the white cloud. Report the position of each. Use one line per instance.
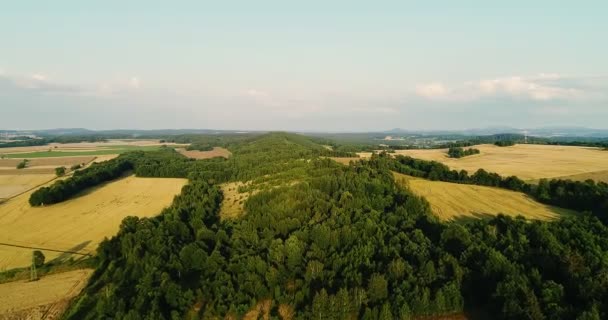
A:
(535, 88)
(134, 82)
(432, 90)
(541, 87)
(256, 93)
(39, 77)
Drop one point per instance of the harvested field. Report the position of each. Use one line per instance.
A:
(13, 184)
(527, 161)
(451, 201)
(81, 223)
(88, 146)
(195, 154)
(46, 298)
(596, 176)
(47, 162)
(234, 201)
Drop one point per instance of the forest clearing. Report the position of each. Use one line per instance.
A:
(79, 224)
(196, 154)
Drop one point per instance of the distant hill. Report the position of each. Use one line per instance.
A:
(539, 132)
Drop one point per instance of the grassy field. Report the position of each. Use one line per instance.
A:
(46, 298)
(528, 162)
(81, 223)
(451, 201)
(195, 154)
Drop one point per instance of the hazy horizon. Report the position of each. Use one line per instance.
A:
(315, 66)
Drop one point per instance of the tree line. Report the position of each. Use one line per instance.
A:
(92, 176)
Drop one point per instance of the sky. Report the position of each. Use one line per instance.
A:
(303, 65)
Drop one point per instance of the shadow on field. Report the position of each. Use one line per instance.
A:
(66, 255)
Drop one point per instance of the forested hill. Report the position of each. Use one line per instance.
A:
(334, 242)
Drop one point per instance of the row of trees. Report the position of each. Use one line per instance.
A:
(92, 176)
(504, 143)
(458, 152)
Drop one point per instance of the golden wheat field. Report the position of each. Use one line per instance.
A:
(79, 224)
(13, 184)
(46, 298)
(451, 201)
(596, 176)
(527, 161)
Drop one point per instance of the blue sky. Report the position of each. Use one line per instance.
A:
(307, 65)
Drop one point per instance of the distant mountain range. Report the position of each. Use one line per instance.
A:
(538, 132)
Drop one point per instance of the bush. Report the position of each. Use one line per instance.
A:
(60, 171)
(22, 164)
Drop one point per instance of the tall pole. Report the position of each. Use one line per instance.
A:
(33, 272)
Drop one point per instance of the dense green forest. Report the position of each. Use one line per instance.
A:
(328, 241)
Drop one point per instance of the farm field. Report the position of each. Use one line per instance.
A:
(596, 176)
(79, 224)
(527, 161)
(195, 154)
(38, 171)
(88, 146)
(74, 153)
(452, 201)
(13, 184)
(46, 298)
(46, 162)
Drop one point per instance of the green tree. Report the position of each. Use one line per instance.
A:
(60, 171)
(22, 164)
(377, 288)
